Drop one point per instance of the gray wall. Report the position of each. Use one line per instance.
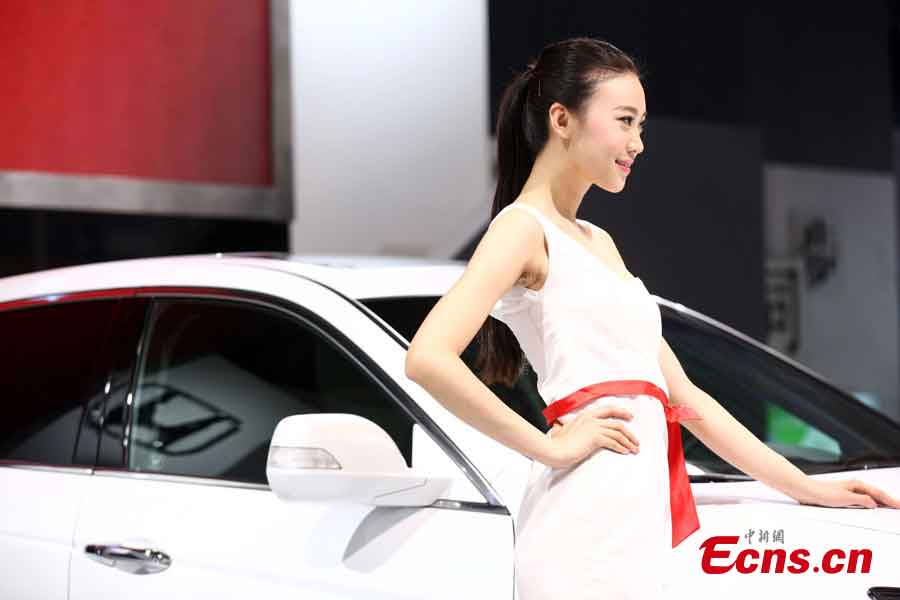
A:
(848, 323)
(390, 109)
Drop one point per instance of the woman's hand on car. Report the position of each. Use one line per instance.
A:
(591, 430)
(847, 493)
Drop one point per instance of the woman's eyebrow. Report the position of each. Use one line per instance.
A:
(631, 109)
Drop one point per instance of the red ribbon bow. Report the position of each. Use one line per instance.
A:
(684, 509)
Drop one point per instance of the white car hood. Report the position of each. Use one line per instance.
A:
(714, 497)
(748, 509)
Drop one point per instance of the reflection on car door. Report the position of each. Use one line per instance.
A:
(53, 367)
(191, 504)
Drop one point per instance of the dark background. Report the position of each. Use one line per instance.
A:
(31, 240)
(730, 88)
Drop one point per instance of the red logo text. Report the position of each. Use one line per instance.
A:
(719, 557)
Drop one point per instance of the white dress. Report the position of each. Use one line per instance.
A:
(602, 528)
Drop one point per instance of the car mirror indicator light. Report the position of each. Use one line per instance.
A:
(302, 458)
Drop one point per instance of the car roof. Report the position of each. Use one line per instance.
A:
(356, 276)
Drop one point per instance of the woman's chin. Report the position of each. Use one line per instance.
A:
(613, 187)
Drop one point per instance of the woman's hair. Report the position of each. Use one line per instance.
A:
(566, 72)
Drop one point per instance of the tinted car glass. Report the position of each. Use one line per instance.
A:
(406, 314)
(103, 425)
(216, 378)
(813, 424)
(53, 365)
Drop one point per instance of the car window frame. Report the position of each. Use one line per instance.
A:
(152, 337)
(345, 345)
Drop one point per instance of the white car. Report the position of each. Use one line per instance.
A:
(140, 456)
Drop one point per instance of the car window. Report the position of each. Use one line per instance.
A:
(216, 378)
(406, 314)
(816, 426)
(811, 423)
(103, 426)
(53, 366)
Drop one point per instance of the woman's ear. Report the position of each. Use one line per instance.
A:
(561, 121)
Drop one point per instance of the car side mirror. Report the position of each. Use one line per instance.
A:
(346, 458)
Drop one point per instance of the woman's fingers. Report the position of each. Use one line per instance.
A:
(615, 445)
(620, 428)
(863, 500)
(601, 427)
(877, 495)
(612, 437)
(858, 493)
(623, 439)
(627, 432)
(608, 415)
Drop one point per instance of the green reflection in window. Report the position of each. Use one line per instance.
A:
(783, 427)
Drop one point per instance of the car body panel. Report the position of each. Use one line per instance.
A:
(360, 550)
(240, 542)
(38, 510)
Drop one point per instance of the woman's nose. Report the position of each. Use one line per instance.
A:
(636, 146)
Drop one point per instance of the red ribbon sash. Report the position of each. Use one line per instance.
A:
(684, 509)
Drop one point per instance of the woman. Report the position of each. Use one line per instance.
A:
(608, 495)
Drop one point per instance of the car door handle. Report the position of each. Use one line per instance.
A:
(137, 561)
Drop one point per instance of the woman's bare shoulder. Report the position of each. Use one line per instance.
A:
(520, 224)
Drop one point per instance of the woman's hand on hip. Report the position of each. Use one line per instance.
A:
(592, 430)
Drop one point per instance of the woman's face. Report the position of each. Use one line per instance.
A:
(608, 136)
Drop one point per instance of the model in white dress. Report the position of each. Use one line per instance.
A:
(600, 529)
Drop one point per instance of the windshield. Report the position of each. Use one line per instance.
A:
(815, 425)
(818, 427)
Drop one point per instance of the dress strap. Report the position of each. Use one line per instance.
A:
(535, 213)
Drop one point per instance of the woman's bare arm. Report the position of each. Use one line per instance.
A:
(724, 435)
(433, 359)
(734, 443)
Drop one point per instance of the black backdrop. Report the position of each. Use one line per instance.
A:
(730, 88)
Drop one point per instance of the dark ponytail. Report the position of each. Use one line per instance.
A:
(566, 72)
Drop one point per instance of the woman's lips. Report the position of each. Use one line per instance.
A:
(624, 168)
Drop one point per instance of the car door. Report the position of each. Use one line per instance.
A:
(187, 512)
(54, 372)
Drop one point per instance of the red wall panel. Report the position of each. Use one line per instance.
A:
(157, 89)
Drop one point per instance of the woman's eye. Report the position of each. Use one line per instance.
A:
(628, 120)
